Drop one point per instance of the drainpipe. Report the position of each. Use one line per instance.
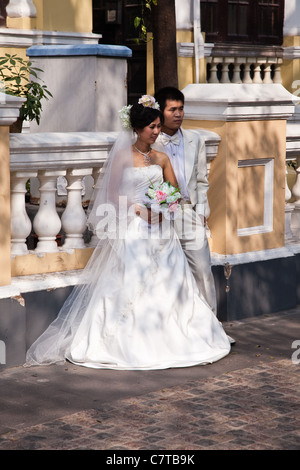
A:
(198, 38)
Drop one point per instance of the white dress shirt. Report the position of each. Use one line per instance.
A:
(175, 153)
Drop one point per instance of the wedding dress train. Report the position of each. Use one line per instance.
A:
(138, 306)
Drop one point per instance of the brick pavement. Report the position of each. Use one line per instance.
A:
(254, 408)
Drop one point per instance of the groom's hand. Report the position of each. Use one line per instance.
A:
(203, 219)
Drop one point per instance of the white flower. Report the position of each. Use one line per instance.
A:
(124, 115)
(151, 193)
(148, 101)
(173, 198)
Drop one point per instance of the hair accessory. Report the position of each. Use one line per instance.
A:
(147, 101)
(124, 116)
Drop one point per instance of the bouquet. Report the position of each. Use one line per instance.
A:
(164, 198)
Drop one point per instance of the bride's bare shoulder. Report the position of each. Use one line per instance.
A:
(160, 157)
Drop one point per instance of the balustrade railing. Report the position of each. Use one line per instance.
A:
(45, 158)
(48, 157)
(243, 70)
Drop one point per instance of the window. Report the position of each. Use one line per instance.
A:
(246, 21)
(3, 5)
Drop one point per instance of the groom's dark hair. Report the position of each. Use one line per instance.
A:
(168, 93)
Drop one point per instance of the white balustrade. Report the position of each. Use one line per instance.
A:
(20, 222)
(244, 70)
(46, 158)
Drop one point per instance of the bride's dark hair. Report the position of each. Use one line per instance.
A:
(141, 116)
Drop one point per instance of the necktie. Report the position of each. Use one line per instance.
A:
(165, 139)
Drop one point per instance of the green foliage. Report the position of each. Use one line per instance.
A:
(17, 76)
(140, 24)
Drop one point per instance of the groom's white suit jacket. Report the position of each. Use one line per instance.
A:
(195, 168)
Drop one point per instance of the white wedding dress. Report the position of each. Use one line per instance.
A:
(138, 308)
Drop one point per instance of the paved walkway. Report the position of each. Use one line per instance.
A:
(249, 400)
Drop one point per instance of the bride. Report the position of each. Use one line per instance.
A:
(137, 306)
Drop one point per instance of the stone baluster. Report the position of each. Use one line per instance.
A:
(247, 68)
(74, 219)
(257, 73)
(21, 9)
(295, 217)
(288, 210)
(267, 71)
(277, 72)
(47, 223)
(225, 70)
(236, 78)
(214, 69)
(20, 222)
(97, 176)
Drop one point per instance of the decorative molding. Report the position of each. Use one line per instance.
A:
(291, 53)
(31, 37)
(267, 226)
(66, 149)
(9, 108)
(255, 256)
(187, 49)
(38, 282)
(238, 102)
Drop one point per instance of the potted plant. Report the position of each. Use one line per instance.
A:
(17, 76)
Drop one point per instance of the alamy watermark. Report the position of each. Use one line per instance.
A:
(2, 352)
(118, 221)
(296, 354)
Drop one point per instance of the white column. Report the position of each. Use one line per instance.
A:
(74, 219)
(46, 223)
(20, 222)
(21, 9)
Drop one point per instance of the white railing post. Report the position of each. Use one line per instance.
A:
(20, 222)
(74, 219)
(46, 223)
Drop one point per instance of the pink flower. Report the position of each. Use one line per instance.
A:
(173, 206)
(160, 195)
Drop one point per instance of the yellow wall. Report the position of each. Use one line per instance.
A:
(5, 275)
(236, 194)
(290, 70)
(185, 65)
(58, 15)
(25, 265)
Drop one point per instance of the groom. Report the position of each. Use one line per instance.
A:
(187, 154)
